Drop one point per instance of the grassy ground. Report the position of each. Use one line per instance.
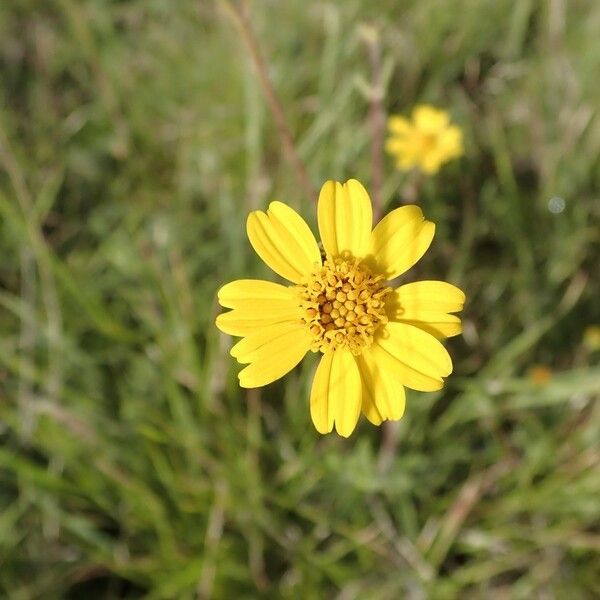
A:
(134, 139)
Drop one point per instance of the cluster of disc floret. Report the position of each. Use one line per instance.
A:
(343, 304)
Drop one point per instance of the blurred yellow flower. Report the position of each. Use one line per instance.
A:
(539, 374)
(427, 141)
(591, 337)
(374, 339)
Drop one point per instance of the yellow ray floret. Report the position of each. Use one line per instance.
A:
(426, 141)
(373, 340)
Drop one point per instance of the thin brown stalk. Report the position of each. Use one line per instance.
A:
(469, 495)
(239, 16)
(412, 188)
(390, 432)
(212, 540)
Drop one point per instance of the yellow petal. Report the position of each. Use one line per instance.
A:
(399, 125)
(345, 218)
(284, 241)
(416, 357)
(335, 397)
(242, 292)
(268, 342)
(426, 304)
(431, 296)
(295, 226)
(399, 240)
(438, 325)
(369, 407)
(450, 142)
(383, 395)
(290, 349)
(240, 322)
(396, 145)
(256, 304)
(405, 163)
(432, 161)
(429, 119)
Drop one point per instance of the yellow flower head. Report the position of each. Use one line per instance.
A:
(591, 337)
(427, 141)
(539, 374)
(374, 339)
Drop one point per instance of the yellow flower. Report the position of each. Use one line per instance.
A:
(539, 374)
(427, 141)
(374, 339)
(591, 337)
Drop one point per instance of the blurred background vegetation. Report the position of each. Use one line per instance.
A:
(134, 138)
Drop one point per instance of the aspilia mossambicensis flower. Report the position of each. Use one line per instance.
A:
(374, 340)
(427, 141)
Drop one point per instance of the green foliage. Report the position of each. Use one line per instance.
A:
(135, 138)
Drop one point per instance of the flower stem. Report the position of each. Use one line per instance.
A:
(239, 16)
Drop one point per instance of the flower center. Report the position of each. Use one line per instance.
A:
(343, 304)
(426, 141)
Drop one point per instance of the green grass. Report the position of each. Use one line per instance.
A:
(135, 139)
